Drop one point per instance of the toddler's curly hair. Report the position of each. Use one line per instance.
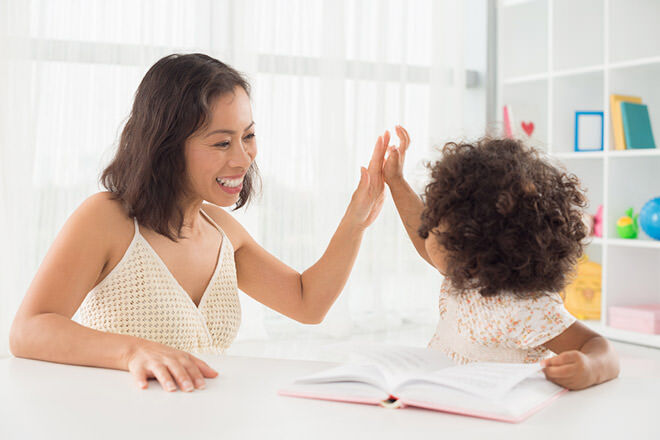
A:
(508, 219)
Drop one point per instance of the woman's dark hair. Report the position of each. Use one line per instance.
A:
(173, 101)
(508, 219)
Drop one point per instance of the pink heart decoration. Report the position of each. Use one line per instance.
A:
(528, 128)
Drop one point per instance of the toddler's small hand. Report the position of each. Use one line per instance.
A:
(393, 168)
(570, 369)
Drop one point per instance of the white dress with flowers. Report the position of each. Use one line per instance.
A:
(502, 328)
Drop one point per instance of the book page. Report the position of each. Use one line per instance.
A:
(380, 365)
(490, 380)
(399, 363)
(347, 373)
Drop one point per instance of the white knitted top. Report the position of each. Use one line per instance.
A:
(141, 297)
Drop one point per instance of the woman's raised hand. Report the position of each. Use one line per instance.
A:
(368, 198)
(171, 367)
(393, 168)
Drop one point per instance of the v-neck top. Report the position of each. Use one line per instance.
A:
(141, 297)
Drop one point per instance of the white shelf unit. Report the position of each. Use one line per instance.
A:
(556, 57)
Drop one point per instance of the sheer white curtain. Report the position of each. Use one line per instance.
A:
(328, 77)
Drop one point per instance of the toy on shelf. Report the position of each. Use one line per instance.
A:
(597, 222)
(626, 226)
(528, 128)
(582, 296)
(649, 218)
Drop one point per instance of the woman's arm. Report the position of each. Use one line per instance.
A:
(307, 297)
(584, 358)
(43, 329)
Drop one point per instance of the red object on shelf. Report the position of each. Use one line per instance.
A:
(528, 127)
(643, 318)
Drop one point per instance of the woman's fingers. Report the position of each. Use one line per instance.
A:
(170, 367)
(164, 377)
(194, 373)
(363, 186)
(181, 376)
(204, 368)
(141, 377)
(376, 162)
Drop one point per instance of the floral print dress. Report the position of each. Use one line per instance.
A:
(502, 328)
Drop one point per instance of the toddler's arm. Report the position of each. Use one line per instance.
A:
(584, 358)
(408, 204)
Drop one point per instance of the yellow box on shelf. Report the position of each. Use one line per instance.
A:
(582, 296)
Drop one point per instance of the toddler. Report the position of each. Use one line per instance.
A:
(505, 227)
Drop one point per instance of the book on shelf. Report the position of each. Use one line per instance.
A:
(617, 123)
(399, 377)
(637, 125)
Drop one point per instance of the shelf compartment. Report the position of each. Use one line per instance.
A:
(642, 81)
(528, 102)
(577, 42)
(633, 29)
(632, 182)
(523, 30)
(570, 94)
(632, 276)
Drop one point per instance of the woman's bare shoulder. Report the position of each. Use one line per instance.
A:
(103, 209)
(104, 218)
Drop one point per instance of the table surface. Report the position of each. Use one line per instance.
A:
(46, 400)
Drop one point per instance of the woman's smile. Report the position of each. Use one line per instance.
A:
(231, 184)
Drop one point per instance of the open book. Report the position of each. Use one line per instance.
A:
(396, 377)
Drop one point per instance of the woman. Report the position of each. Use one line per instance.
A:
(153, 270)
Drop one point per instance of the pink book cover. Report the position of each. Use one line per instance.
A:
(427, 405)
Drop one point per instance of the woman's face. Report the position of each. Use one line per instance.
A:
(218, 156)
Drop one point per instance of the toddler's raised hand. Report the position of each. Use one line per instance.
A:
(393, 168)
(570, 369)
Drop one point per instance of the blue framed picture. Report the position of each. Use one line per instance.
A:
(589, 131)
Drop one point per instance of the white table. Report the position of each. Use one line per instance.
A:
(40, 400)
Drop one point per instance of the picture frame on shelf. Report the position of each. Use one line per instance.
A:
(589, 131)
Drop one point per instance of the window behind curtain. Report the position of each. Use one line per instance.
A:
(328, 77)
